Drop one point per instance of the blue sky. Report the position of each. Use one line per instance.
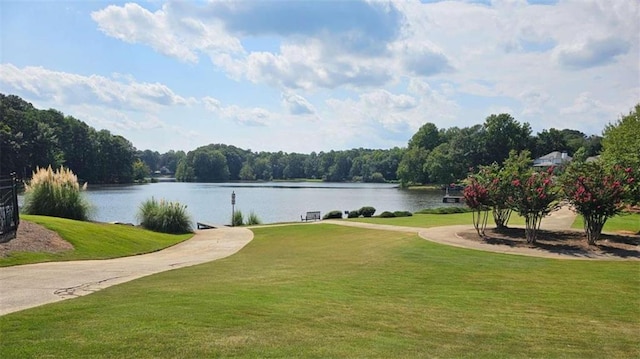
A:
(302, 76)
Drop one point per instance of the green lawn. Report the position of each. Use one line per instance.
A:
(94, 241)
(327, 291)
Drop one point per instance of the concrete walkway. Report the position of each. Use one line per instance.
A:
(31, 285)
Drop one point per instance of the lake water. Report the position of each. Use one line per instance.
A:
(271, 201)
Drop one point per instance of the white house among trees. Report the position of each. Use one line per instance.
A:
(555, 158)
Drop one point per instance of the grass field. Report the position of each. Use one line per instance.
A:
(328, 291)
(94, 241)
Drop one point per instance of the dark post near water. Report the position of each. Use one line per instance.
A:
(233, 204)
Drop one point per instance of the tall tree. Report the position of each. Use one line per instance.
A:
(621, 140)
(427, 137)
(503, 134)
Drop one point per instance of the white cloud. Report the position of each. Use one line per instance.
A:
(323, 44)
(167, 30)
(253, 117)
(296, 104)
(593, 52)
(65, 88)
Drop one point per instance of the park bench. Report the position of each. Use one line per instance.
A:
(311, 216)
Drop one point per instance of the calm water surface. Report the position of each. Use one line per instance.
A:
(271, 201)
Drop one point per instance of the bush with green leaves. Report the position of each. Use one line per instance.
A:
(237, 219)
(445, 210)
(367, 211)
(402, 214)
(354, 214)
(164, 216)
(335, 214)
(387, 214)
(57, 194)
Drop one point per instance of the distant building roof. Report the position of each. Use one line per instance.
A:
(554, 158)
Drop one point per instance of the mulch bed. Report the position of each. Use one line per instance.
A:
(563, 242)
(33, 237)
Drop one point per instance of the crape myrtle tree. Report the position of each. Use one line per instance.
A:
(597, 192)
(534, 196)
(513, 187)
(498, 186)
(497, 181)
(476, 197)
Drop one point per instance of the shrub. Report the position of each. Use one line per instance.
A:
(57, 194)
(164, 216)
(377, 177)
(333, 215)
(402, 214)
(445, 210)
(253, 219)
(353, 214)
(237, 219)
(367, 211)
(387, 214)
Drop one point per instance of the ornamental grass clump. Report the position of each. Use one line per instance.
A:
(253, 219)
(57, 194)
(237, 218)
(164, 216)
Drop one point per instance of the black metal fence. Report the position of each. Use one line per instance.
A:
(9, 214)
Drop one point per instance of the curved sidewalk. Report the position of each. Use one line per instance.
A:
(31, 285)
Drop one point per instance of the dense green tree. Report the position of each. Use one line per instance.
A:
(151, 158)
(312, 166)
(503, 134)
(184, 171)
(33, 138)
(550, 140)
(294, 167)
(210, 165)
(170, 160)
(262, 169)
(411, 168)
(621, 140)
(621, 147)
(427, 137)
(246, 172)
(141, 170)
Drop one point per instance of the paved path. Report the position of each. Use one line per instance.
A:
(31, 285)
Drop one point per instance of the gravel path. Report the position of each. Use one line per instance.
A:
(31, 285)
